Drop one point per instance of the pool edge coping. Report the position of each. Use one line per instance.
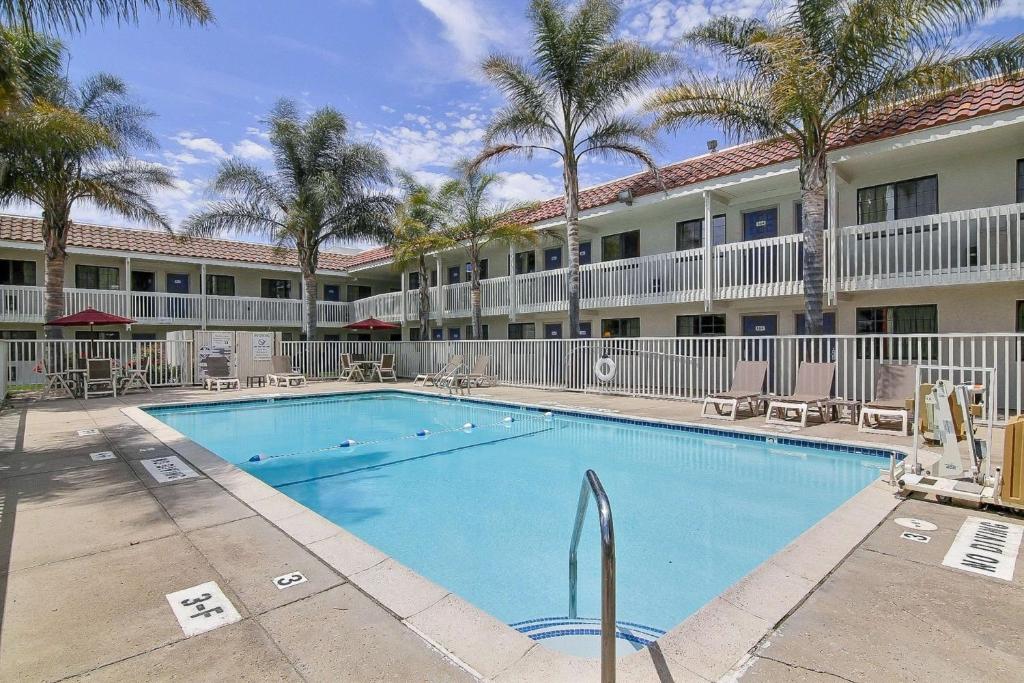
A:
(709, 644)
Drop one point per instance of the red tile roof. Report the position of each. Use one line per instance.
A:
(986, 98)
(983, 99)
(26, 229)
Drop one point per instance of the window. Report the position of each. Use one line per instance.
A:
(522, 331)
(620, 246)
(798, 217)
(526, 262)
(414, 334)
(96, 277)
(358, 337)
(143, 336)
(1020, 180)
(357, 292)
(828, 323)
(101, 335)
(904, 199)
(620, 327)
(711, 325)
(690, 234)
(483, 332)
(483, 270)
(414, 281)
(220, 285)
(1020, 316)
(883, 320)
(332, 337)
(275, 289)
(584, 253)
(17, 273)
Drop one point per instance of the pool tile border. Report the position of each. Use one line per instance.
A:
(708, 645)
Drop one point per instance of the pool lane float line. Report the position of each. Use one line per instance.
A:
(421, 434)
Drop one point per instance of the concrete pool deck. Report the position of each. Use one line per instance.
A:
(90, 549)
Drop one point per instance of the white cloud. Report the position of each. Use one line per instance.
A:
(208, 146)
(465, 27)
(253, 151)
(522, 187)
(386, 109)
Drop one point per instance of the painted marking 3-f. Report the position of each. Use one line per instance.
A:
(201, 610)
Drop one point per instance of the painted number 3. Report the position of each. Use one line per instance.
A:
(288, 580)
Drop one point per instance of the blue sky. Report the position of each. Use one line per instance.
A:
(405, 73)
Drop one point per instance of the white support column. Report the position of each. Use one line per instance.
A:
(404, 288)
(832, 233)
(202, 292)
(440, 296)
(513, 288)
(709, 253)
(128, 312)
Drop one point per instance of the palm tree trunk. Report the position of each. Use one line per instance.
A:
(572, 239)
(309, 303)
(55, 230)
(474, 293)
(424, 301)
(812, 196)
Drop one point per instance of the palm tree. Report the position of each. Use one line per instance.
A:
(571, 101)
(73, 15)
(27, 62)
(324, 189)
(818, 68)
(476, 221)
(418, 232)
(55, 172)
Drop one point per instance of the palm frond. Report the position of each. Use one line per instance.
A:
(73, 16)
(236, 216)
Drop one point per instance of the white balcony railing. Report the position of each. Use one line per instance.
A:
(976, 245)
(252, 310)
(759, 268)
(21, 304)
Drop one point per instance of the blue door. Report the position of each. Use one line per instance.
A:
(177, 283)
(761, 349)
(453, 275)
(552, 330)
(761, 224)
(333, 292)
(552, 258)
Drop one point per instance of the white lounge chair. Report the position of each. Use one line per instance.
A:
(385, 370)
(812, 392)
(55, 381)
(480, 375)
(99, 377)
(283, 374)
(350, 371)
(747, 385)
(218, 374)
(453, 364)
(894, 400)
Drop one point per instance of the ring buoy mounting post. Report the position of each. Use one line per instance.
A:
(604, 368)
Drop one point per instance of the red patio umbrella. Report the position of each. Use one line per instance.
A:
(90, 317)
(372, 324)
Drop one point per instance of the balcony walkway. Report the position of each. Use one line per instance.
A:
(88, 551)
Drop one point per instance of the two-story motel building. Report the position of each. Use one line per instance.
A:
(929, 204)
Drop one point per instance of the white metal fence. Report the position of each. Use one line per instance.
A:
(169, 362)
(691, 367)
(5, 351)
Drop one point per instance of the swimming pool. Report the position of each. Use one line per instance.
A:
(487, 511)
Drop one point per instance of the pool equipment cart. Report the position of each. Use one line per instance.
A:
(592, 485)
(946, 478)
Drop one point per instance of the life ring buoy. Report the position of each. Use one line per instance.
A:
(604, 368)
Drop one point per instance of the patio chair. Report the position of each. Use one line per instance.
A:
(99, 377)
(386, 368)
(480, 375)
(350, 370)
(812, 392)
(283, 374)
(55, 381)
(453, 364)
(747, 384)
(894, 399)
(137, 376)
(219, 375)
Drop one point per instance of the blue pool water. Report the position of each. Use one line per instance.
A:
(488, 512)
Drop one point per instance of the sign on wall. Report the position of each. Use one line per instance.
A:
(262, 345)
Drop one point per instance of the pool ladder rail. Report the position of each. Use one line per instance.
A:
(591, 486)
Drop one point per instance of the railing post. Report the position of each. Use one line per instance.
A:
(203, 315)
(832, 233)
(513, 286)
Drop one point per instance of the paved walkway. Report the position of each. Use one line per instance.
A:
(88, 551)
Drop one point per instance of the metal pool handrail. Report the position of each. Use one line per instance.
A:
(592, 485)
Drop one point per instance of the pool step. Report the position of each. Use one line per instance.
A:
(582, 635)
